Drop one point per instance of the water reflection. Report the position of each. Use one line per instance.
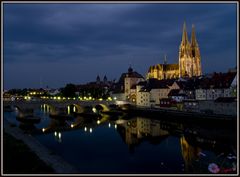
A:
(134, 131)
(198, 146)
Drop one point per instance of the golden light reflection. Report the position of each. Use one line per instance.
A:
(98, 122)
(59, 135)
(68, 109)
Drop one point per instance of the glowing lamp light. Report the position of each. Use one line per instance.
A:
(94, 110)
(54, 98)
(90, 98)
(115, 98)
(55, 133)
(72, 125)
(59, 135)
(59, 98)
(68, 109)
(85, 129)
(98, 122)
(43, 130)
(90, 130)
(100, 99)
(115, 125)
(109, 125)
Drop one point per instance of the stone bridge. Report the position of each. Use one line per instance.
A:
(27, 107)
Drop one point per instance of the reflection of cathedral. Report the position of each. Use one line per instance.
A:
(189, 153)
(189, 61)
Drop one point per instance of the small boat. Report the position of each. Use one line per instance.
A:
(29, 119)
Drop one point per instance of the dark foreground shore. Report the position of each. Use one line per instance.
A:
(23, 154)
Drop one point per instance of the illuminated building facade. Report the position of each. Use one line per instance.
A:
(189, 60)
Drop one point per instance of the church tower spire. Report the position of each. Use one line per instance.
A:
(184, 35)
(185, 55)
(195, 52)
(193, 38)
(165, 59)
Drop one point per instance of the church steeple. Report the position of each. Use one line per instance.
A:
(165, 59)
(184, 35)
(193, 38)
(98, 80)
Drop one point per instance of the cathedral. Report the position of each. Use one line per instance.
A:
(189, 60)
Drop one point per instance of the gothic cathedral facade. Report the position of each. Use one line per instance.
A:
(189, 60)
(189, 55)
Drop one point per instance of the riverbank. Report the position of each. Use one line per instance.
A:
(48, 157)
(16, 152)
(181, 116)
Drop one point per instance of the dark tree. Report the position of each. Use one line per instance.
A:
(69, 90)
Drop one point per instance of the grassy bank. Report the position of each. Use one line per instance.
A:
(19, 159)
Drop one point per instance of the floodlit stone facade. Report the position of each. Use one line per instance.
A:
(189, 60)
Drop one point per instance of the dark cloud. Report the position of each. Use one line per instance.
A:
(103, 39)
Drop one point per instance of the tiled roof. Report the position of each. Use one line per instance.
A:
(218, 80)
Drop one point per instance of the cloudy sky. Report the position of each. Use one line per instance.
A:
(56, 44)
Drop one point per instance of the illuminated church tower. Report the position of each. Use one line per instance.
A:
(197, 69)
(189, 61)
(189, 55)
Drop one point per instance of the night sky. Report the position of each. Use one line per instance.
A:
(55, 44)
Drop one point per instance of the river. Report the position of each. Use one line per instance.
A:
(136, 145)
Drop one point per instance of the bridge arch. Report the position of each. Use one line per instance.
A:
(49, 108)
(76, 107)
(102, 107)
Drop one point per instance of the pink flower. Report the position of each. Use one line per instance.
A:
(213, 168)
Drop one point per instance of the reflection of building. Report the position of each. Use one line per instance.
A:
(189, 61)
(139, 129)
(189, 153)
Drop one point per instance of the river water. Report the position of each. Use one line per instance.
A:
(136, 145)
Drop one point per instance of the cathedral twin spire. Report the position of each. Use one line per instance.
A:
(184, 36)
(189, 63)
(189, 55)
(193, 38)
(185, 42)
